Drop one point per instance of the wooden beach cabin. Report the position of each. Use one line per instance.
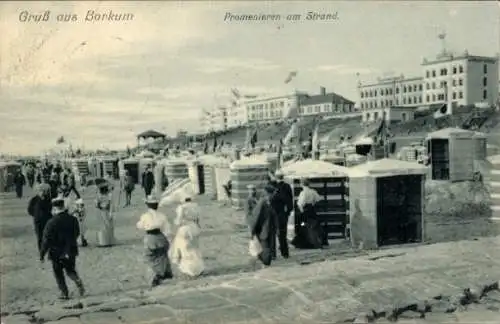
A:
(247, 171)
(331, 183)
(452, 154)
(386, 203)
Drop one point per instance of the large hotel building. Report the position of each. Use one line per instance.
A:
(463, 79)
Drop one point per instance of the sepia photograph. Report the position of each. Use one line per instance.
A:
(198, 162)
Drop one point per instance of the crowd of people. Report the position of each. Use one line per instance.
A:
(268, 214)
(60, 229)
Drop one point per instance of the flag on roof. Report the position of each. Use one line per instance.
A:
(290, 76)
(315, 139)
(60, 140)
(236, 93)
(280, 155)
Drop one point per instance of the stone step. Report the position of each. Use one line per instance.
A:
(495, 175)
(495, 209)
(495, 199)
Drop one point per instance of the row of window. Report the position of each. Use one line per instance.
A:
(279, 104)
(444, 71)
(376, 116)
(389, 103)
(338, 108)
(429, 99)
(388, 91)
(266, 115)
(455, 70)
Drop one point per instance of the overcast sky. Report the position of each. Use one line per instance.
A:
(99, 84)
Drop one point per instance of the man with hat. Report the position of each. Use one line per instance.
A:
(60, 242)
(264, 220)
(282, 203)
(148, 181)
(40, 208)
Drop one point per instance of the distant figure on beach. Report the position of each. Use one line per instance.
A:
(128, 186)
(69, 183)
(54, 182)
(105, 237)
(40, 208)
(185, 249)
(148, 181)
(19, 182)
(60, 242)
(30, 174)
(156, 244)
(79, 213)
(264, 220)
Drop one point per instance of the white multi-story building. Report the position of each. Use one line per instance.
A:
(468, 79)
(272, 108)
(214, 120)
(330, 105)
(237, 114)
(388, 92)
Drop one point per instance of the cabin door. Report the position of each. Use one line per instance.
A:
(399, 209)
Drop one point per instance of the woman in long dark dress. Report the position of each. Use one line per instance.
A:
(309, 234)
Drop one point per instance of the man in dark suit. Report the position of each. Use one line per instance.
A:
(282, 203)
(262, 225)
(148, 181)
(40, 208)
(60, 242)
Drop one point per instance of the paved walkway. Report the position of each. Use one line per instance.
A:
(328, 292)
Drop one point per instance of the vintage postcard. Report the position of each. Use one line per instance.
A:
(249, 162)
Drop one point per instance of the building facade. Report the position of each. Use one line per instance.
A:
(387, 92)
(237, 114)
(273, 108)
(466, 79)
(330, 105)
(214, 120)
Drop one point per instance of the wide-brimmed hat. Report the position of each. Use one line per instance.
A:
(79, 201)
(251, 186)
(151, 200)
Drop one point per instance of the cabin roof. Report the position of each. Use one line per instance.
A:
(387, 168)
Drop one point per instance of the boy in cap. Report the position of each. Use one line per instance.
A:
(60, 242)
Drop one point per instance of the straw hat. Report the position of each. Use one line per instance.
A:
(279, 174)
(79, 201)
(251, 186)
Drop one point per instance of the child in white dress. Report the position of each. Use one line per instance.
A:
(185, 251)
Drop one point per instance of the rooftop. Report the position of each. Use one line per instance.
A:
(387, 168)
(324, 98)
(448, 57)
(446, 133)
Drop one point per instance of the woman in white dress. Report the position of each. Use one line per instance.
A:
(185, 251)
